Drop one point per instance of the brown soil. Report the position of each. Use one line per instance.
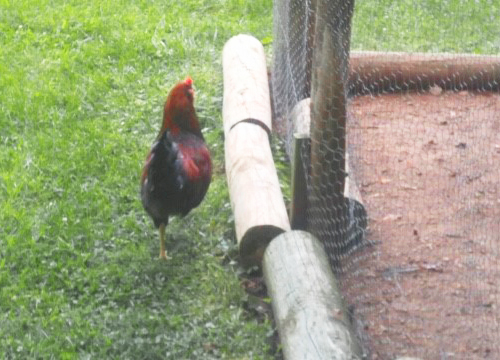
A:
(428, 168)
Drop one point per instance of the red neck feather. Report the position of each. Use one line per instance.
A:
(179, 113)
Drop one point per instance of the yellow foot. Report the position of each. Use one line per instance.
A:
(163, 251)
(163, 256)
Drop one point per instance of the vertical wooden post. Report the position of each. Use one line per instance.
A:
(328, 120)
(298, 205)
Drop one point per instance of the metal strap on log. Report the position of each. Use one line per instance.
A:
(256, 199)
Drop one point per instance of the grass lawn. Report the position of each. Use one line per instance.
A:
(82, 88)
(456, 26)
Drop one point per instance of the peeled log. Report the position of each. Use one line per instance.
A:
(258, 207)
(256, 198)
(375, 72)
(246, 84)
(307, 304)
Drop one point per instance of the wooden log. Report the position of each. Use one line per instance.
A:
(259, 211)
(256, 198)
(376, 72)
(328, 123)
(307, 305)
(246, 85)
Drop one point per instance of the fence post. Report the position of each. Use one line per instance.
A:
(328, 121)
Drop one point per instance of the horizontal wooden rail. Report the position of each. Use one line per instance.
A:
(375, 72)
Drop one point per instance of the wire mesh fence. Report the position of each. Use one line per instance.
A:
(414, 134)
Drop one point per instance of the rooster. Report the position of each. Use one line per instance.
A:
(178, 169)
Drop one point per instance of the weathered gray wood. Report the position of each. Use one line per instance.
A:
(351, 189)
(328, 118)
(301, 124)
(307, 305)
(301, 117)
(373, 72)
(298, 205)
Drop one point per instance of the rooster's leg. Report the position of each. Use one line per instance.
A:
(163, 253)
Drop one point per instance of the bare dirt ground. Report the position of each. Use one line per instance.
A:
(428, 168)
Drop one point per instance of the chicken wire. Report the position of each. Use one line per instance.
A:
(419, 262)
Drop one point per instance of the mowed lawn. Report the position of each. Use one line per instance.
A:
(82, 85)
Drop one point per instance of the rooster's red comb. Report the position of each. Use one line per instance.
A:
(188, 81)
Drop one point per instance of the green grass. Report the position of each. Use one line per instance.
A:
(83, 84)
(82, 88)
(456, 26)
